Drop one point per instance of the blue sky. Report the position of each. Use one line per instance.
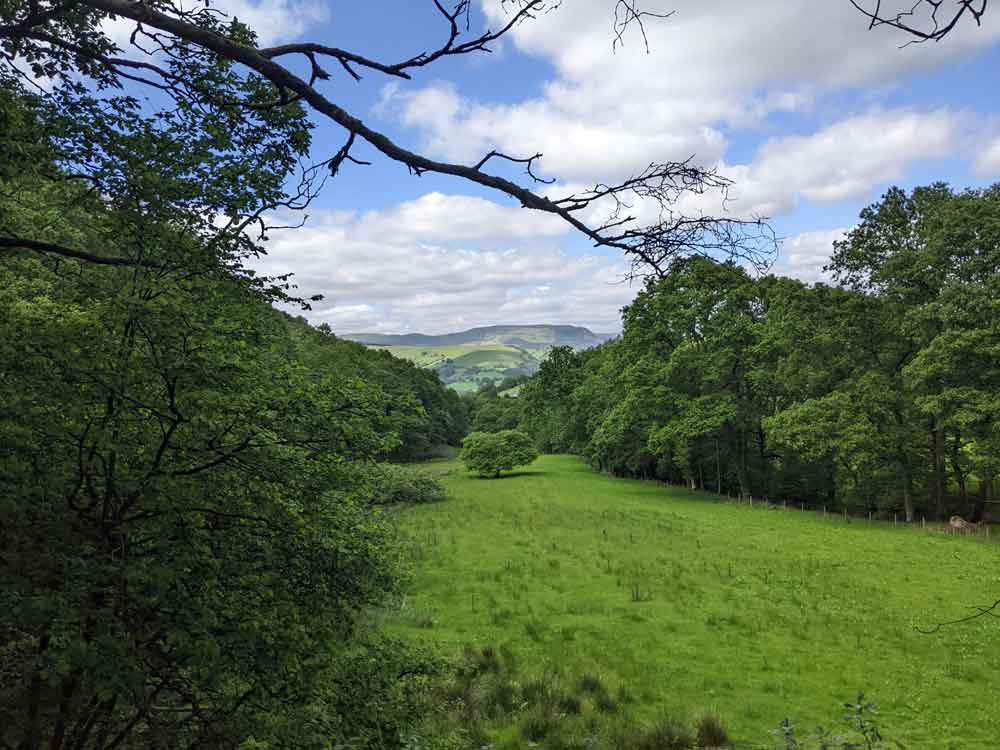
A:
(810, 114)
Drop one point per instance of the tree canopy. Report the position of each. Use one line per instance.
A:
(209, 73)
(190, 542)
(877, 394)
(490, 453)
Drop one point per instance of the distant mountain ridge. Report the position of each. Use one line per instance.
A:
(522, 337)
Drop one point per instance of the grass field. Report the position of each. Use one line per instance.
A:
(683, 604)
(465, 367)
(431, 356)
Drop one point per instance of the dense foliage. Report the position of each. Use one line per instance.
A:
(881, 393)
(489, 453)
(189, 549)
(395, 484)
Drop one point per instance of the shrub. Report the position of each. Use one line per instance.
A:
(489, 453)
(392, 484)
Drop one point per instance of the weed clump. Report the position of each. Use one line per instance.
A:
(591, 683)
(605, 703)
(711, 733)
(570, 704)
(538, 723)
(667, 734)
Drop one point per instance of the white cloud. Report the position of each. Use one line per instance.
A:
(574, 146)
(436, 217)
(844, 160)
(848, 159)
(273, 20)
(713, 66)
(394, 271)
(988, 160)
(804, 256)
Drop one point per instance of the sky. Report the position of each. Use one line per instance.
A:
(810, 114)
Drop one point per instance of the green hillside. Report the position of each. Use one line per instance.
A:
(468, 359)
(676, 604)
(523, 336)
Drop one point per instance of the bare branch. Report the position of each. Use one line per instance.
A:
(527, 162)
(628, 13)
(451, 47)
(654, 191)
(921, 20)
(345, 155)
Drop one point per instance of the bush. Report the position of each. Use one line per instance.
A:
(489, 453)
(392, 484)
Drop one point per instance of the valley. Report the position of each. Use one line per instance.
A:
(467, 360)
(682, 604)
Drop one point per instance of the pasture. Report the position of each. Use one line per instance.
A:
(682, 604)
(464, 367)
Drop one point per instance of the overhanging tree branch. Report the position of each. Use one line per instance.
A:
(922, 19)
(18, 243)
(654, 191)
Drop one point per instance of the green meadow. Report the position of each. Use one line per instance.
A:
(465, 367)
(681, 604)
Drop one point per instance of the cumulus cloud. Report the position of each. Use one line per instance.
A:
(847, 159)
(396, 271)
(436, 217)
(712, 66)
(988, 160)
(273, 20)
(574, 145)
(804, 256)
(844, 160)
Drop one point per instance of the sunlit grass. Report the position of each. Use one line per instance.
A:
(694, 605)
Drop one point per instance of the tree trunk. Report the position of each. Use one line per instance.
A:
(718, 469)
(765, 489)
(982, 497)
(904, 462)
(956, 467)
(937, 461)
(741, 473)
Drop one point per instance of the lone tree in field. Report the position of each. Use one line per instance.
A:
(489, 453)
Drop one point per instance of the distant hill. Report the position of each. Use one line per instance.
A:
(523, 337)
(490, 354)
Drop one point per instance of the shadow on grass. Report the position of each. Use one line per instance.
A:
(510, 474)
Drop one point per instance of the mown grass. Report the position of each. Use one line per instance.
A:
(688, 606)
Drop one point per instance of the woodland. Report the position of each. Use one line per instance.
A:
(193, 541)
(879, 394)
